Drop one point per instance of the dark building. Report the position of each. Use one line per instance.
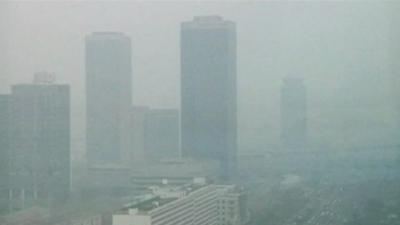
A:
(294, 114)
(208, 91)
(108, 96)
(40, 142)
(162, 134)
(5, 107)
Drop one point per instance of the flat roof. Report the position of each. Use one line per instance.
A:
(146, 203)
(211, 21)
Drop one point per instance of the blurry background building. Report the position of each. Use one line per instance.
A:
(208, 91)
(294, 113)
(108, 96)
(135, 180)
(138, 136)
(40, 141)
(162, 134)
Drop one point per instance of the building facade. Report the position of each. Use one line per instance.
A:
(40, 143)
(208, 91)
(108, 96)
(117, 180)
(138, 135)
(154, 135)
(162, 134)
(194, 204)
(232, 205)
(293, 114)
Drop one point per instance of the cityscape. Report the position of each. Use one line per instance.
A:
(192, 113)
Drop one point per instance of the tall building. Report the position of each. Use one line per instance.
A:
(5, 109)
(208, 91)
(108, 96)
(162, 134)
(40, 141)
(294, 114)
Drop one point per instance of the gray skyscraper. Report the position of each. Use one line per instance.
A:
(40, 141)
(208, 91)
(162, 134)
(108, 95)
(294, 114)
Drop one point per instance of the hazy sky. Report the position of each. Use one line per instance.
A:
(347, 52)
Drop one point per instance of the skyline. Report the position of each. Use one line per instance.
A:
(187, 112)
(336, 81)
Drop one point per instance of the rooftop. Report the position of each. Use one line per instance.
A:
(211, 21)
(106, 35)
(159, 197)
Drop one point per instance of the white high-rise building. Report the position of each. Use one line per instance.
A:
(194, 204)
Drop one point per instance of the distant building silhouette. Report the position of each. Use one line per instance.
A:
(108, 95)
(154, 134)
(137, 131)
(294, 113)
(162, 134)
(5, 125)
(40, 141)
(208, 91)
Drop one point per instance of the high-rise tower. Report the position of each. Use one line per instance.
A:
(208, 91)
(108, 95)
(40, 141)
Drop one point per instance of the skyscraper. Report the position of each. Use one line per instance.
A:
(40, 141)
(208, 91)
(162, 134)
(108, 95)
(293, 113)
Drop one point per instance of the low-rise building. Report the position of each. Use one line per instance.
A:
(194, 204)
(175, 172)
(120, 180)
